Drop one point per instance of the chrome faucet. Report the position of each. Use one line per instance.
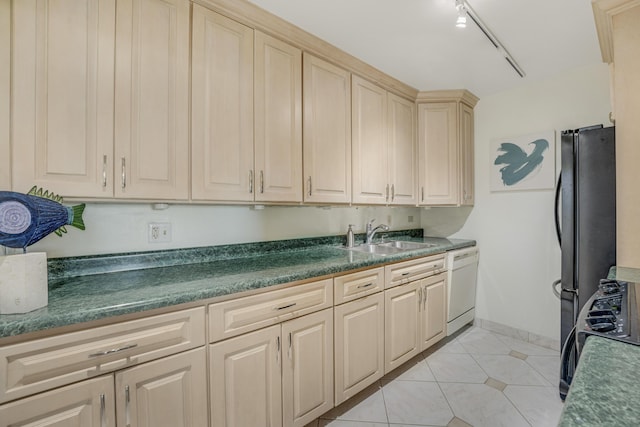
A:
(371, 232)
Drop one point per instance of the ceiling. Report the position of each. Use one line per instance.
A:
(417, 42)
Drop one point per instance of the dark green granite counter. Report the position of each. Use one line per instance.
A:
(96, 287)
(606, 388)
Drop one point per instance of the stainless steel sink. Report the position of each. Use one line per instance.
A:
(391, 247)
(375, 249)
(406, 246)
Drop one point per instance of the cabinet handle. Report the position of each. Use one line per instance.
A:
(424, 301)
(127, 400)
(290, 345)
(113, 350)
(406, 274)
(365, 286)
(103, 406)
(422, 191)
(393, 192)
(285, 306)
(277, 350)
(309, 185)
(261, 182)
(419, 298)
(124, 172)
(104, 170)
(250, 181)
(386, 197)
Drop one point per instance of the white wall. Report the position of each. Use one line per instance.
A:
(519, 252)
(115, 228)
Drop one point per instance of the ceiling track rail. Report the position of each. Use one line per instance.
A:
(493, 39)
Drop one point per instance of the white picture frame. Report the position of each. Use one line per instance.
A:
(523, 163)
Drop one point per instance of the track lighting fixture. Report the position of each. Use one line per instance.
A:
(464, 10)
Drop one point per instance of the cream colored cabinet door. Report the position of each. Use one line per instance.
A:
(245, 380)
(221, 108)
(369, 142)
(327, 132)
(307, 368)
(467, 159)
(434, 310)
(169, 392)
(152, 99)
(62, 82)
(402, 308)
(88, 403)
(402, 151)
(278, 120)
(359, 345)
(438, 153)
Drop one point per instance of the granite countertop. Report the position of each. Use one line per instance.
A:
(605, 390)
(91, 288)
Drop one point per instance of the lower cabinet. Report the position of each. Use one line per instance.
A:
(359, 345)
(277, 376)
(169, 392)
(415, 318)
(88, 404)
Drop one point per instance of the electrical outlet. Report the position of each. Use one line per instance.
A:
(159, 232)
(410, 218)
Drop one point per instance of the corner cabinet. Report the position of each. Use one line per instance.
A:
(383, 141)
(327, 132)
(445, 148)
(88, 119)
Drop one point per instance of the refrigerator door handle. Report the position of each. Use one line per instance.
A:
(557, 210)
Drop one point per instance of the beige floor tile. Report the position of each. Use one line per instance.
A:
(456, 368)
(480, 341)
(368, 405)
(541, 406)
(526, 347)
(548, 366)
(482, 406)
(510, 370)
(414, 370)
(417, 403)
(342, 423)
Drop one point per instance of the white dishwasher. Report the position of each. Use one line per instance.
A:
(462, 265)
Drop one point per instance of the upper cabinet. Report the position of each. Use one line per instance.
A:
(445, 148)
(327, 132)
(278, 120)
(221, 108)
(62, 68)
(100, 98)
(152, 99)
(246, 124)
(383, 145)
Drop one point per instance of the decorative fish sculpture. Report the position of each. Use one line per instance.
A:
(27, 218)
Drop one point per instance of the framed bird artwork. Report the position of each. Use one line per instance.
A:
(524, 162)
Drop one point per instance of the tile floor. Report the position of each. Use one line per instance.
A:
(473, 378)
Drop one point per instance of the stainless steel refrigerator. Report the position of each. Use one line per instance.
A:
(588, 231)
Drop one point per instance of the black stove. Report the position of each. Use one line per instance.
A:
(610, 313)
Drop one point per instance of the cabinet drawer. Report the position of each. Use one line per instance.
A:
(234, 317)
(404, 272)
(356, 285)
(42, 364)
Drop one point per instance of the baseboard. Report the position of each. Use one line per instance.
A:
(518, 333)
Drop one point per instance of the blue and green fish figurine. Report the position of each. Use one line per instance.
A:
(27, 218)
